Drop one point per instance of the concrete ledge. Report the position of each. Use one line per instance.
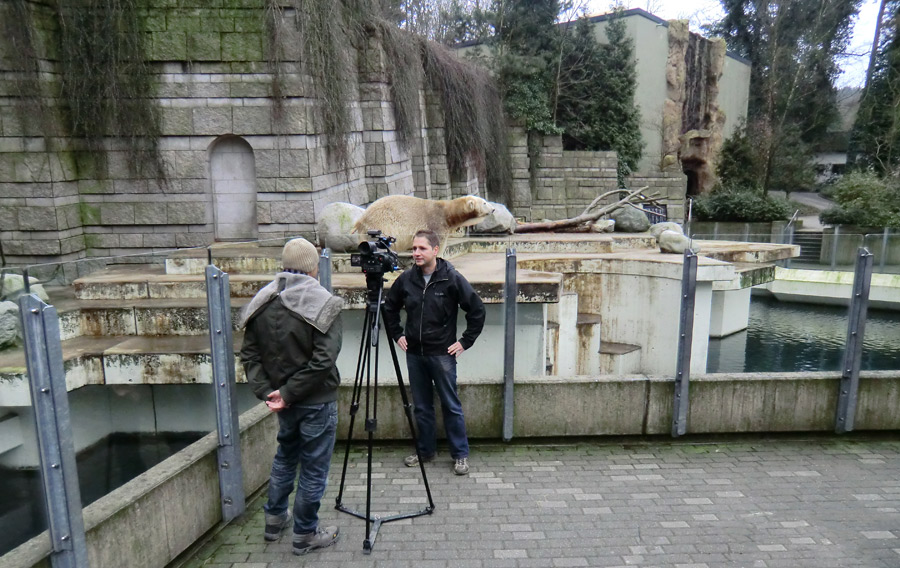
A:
(832, 287)
(641, 405)
(156, 516)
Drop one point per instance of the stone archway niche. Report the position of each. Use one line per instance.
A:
(232, 174)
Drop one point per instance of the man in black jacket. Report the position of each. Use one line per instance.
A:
(291, 343)
(431, 292)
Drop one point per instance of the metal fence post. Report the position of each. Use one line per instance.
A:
(231, 484)
(510, 295)
(884, 249)
(325, 269)
(56, 445)
(834, 245)
(856, 329)
(685, 341)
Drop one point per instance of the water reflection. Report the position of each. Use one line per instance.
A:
(803, 337)
(101, 468)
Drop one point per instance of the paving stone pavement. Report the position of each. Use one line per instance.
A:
(773, 502)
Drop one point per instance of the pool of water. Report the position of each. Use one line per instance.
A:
(103, 467)
(784, 336)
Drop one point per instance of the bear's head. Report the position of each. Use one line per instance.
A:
(477, 210)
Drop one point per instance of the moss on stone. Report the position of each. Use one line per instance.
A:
(91, 241)
(204, 46)
(242, 47)
(90, 215)
(167, 46)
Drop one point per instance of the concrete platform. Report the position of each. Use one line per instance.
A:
(768, 501)
(151, 282)
(831, 287)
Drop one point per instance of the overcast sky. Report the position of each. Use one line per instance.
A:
(703, 11)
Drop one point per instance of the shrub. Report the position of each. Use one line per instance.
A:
(866, 200)
(731, 204)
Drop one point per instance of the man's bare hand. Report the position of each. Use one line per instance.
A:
(402, 342)
(275, 402)
(456, 349)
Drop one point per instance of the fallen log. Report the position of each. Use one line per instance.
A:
(584, 218)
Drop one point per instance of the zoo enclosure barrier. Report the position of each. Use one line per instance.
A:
(834, 248)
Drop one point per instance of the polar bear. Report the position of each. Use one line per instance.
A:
(400, 216)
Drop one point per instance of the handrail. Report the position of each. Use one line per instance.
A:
(793, 218)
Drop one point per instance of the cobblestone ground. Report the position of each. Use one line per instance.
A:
(820, 502)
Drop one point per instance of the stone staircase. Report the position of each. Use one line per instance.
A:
(810, 246)
(147, 323)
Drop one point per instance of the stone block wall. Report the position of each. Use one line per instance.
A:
(670, 185)
(213, 82)
(556, 184)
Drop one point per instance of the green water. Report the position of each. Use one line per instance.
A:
(103, 467)
(784, 336)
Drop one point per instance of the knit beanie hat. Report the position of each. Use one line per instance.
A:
(300, 255)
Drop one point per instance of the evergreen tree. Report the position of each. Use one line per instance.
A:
(595, 93)
(875, 142)
(792, 46)
(558, 79)
(467, 21)
(526, 43)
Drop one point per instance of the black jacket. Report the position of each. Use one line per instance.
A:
(283, 350)
(431, 310)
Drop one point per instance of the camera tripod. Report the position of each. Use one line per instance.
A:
(375, 288)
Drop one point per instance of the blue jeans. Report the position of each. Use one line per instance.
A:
(306, 437)
(428, 373)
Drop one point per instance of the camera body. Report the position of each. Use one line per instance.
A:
(375, 255)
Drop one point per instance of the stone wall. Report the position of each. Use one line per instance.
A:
(670, 186)
(214, 84)
(556, 184)
(552, 184)
(238, 165)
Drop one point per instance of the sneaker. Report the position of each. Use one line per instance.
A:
(413, 460)
(461, 466)
(276, 524)
(322, 538)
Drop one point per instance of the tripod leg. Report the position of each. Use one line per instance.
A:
(361, 362)
(407, 409)
(364, 364)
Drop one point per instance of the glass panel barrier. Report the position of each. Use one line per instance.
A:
(886, 248)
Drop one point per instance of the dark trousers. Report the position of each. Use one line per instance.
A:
(305, 438)
(429, 373)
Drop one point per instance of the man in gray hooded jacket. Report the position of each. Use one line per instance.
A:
(292, 339)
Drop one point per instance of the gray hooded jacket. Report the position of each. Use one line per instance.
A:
(292, 338)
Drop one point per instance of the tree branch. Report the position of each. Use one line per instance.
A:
(580, 219)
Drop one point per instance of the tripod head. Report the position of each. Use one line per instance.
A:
(375, 258)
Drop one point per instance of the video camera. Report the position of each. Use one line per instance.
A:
(375, 255)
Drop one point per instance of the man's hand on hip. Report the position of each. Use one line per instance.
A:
(456, 349)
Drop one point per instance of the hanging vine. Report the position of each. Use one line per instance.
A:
(19, 30)
(403, 62)
(473, 116)
(107, 82)
(326, 42)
